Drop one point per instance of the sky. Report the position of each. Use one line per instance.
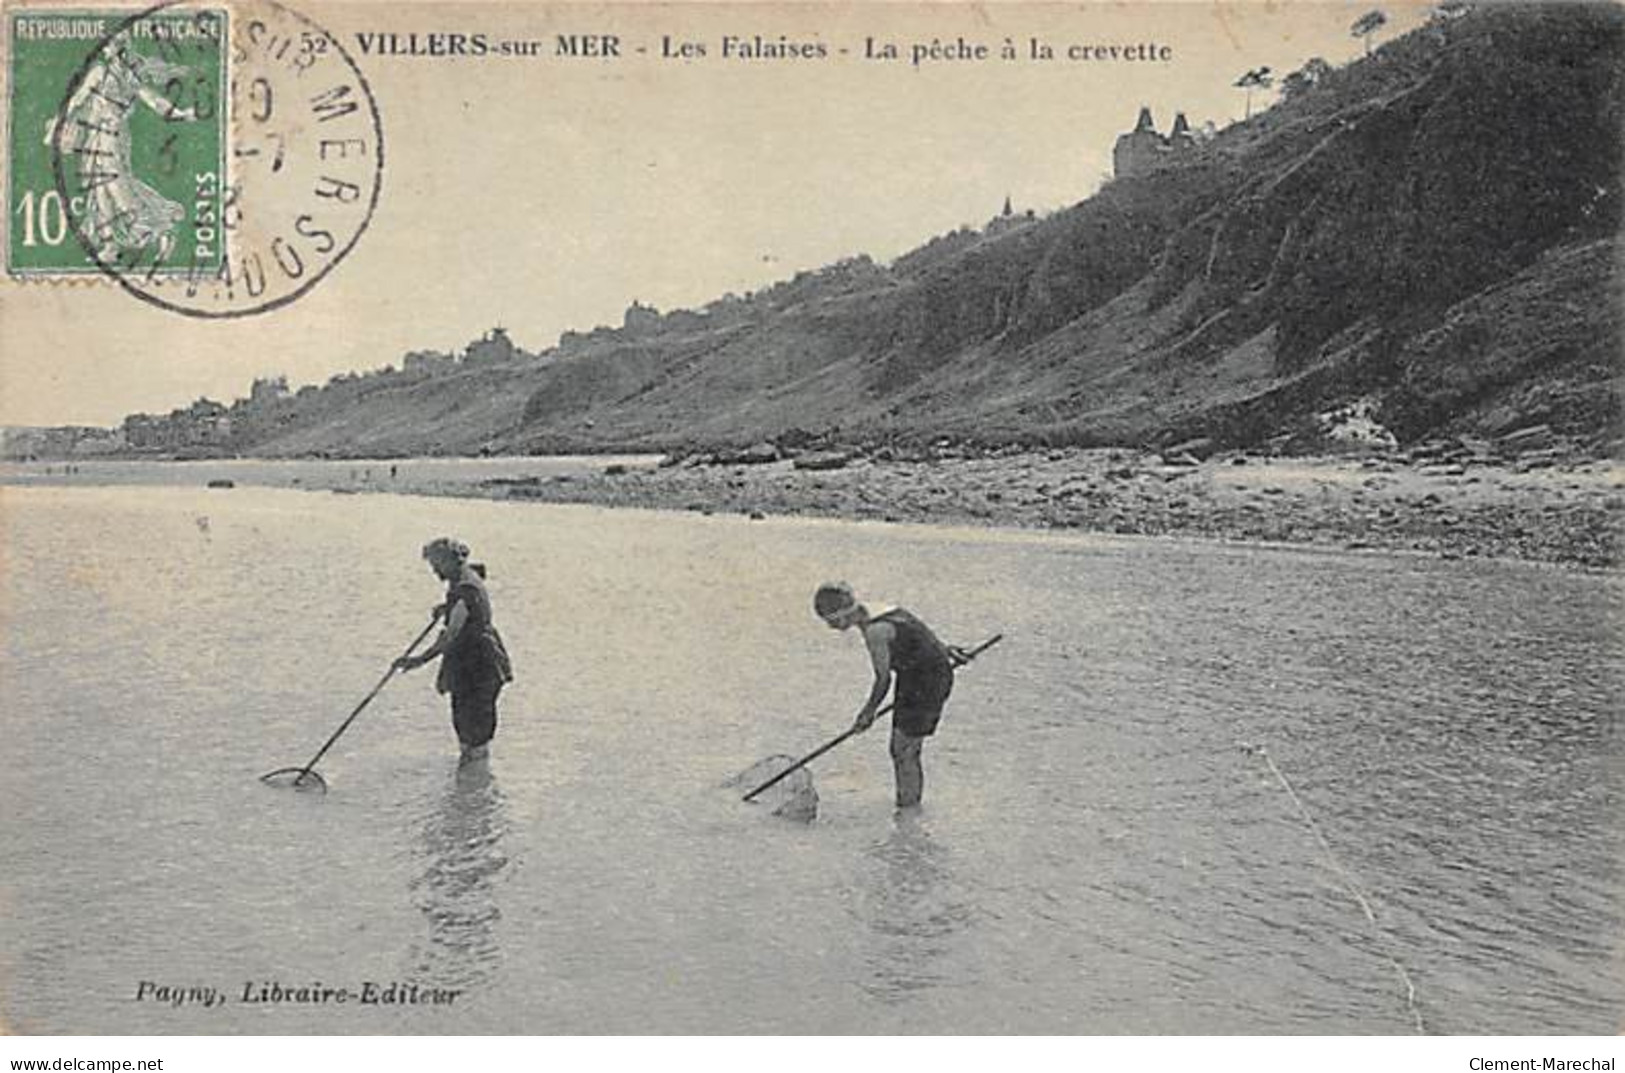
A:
(545, 195)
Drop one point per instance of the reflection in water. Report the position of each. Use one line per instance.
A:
(912, 911)
(461, 841)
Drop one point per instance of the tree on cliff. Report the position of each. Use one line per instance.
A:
(1257, 78)
(1366, 25)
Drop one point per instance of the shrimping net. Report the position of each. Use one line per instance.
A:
(295, 778)
(793, 797)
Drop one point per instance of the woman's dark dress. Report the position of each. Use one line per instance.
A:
(475, 668)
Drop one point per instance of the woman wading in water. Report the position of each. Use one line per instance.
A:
(473, 663)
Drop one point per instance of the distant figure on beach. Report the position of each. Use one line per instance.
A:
(474, 664)
(898, 644)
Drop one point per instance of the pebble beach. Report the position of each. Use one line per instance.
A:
(1563, 512)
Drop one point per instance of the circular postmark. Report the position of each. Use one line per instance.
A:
(218, 160)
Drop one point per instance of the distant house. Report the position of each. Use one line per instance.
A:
(143, 430)
(63, 441)
(204, 423)
(640, 319)
(96, 440)
(493, 346)
(685, 320)
(267, 390)
(728, 309)
(426, 362)
(1007, 219)
(1143, 149)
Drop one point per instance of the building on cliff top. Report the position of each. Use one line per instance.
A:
(640, 319)
(1143, 149)
(494, 346)
(1007, 219)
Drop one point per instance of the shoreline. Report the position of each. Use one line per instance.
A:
(1567, 513)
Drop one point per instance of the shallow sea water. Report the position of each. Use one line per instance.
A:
(1096, 854)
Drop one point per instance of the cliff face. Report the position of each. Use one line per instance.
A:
(1432, 230)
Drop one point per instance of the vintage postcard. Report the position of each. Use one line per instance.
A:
(833, 519)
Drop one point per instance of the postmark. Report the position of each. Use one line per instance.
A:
(303, 161)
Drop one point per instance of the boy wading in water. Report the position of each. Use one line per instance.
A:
(473, 663)
(898, 644)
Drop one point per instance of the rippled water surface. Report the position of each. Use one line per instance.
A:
(1096, 854)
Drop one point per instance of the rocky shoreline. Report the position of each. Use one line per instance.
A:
(1542, 509)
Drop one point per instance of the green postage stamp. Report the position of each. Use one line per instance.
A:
(117, 137)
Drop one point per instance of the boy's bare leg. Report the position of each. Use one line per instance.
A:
(905, 758)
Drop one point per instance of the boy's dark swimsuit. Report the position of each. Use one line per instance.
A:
(925, 673)
(475, 668)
